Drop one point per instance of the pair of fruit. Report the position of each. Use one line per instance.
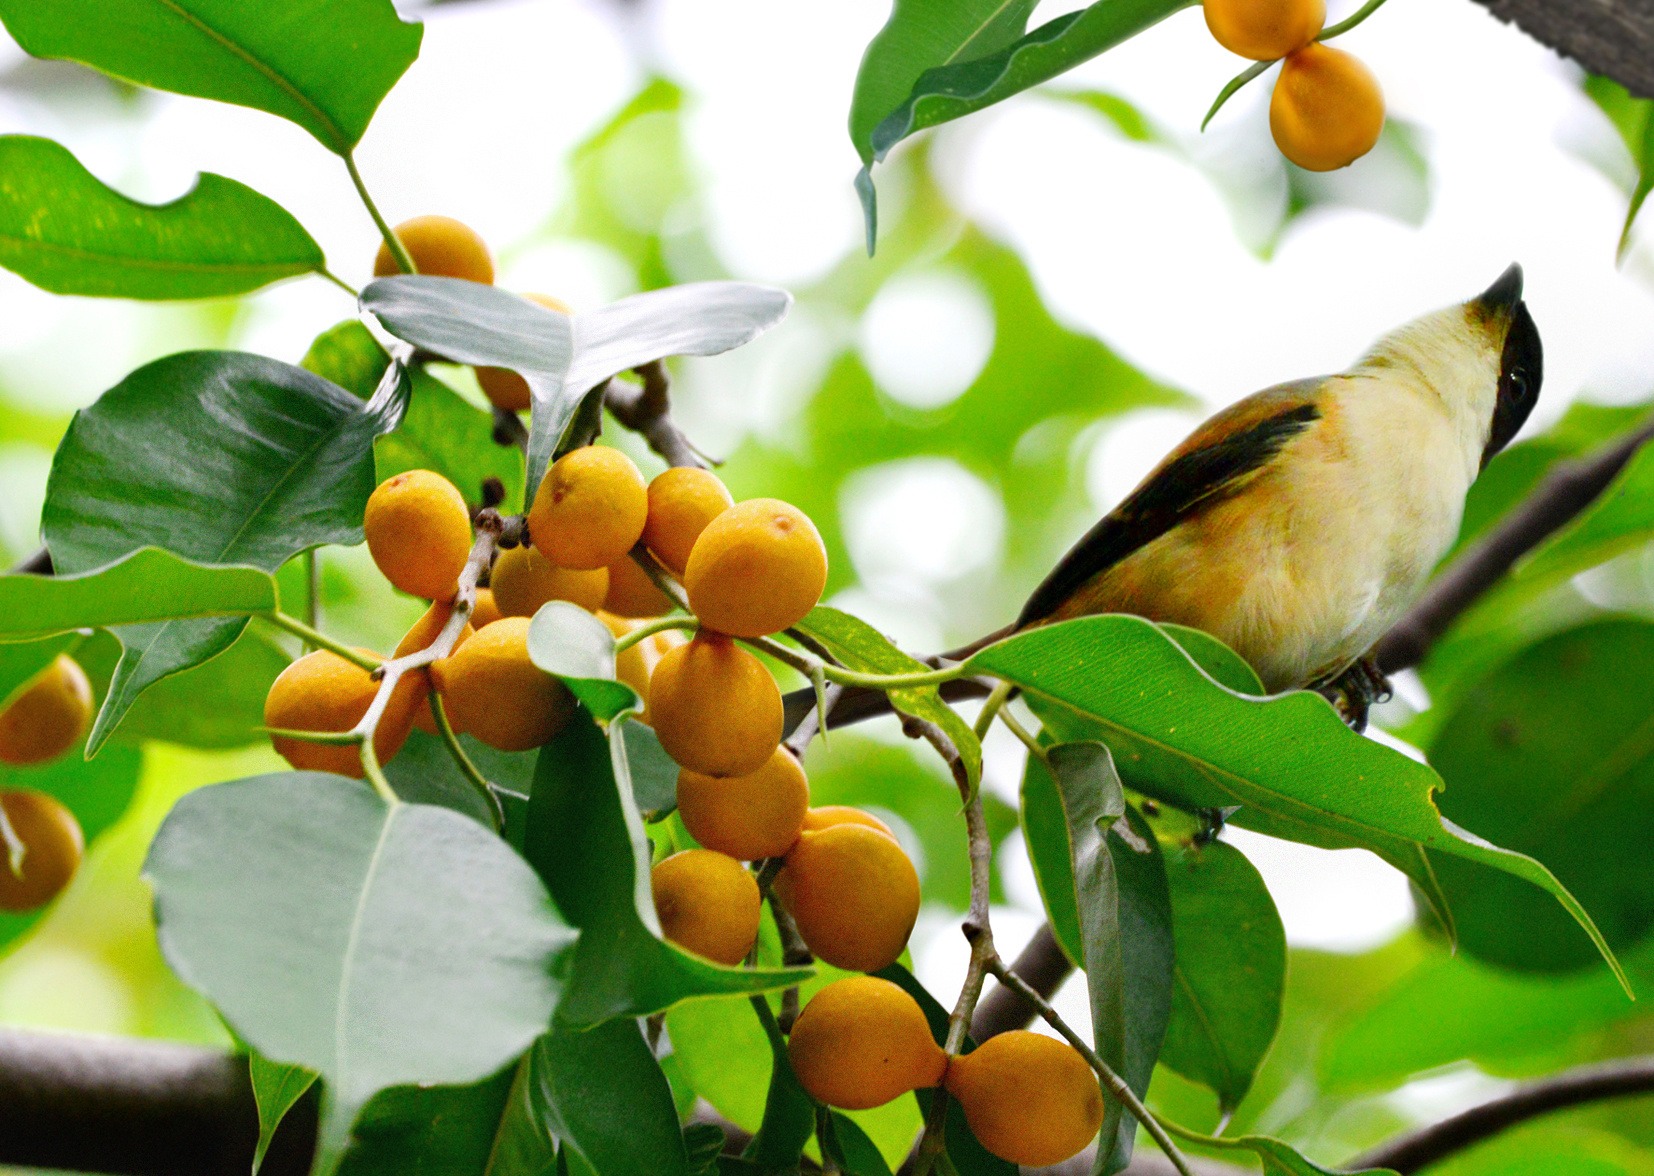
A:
(1327, 109)
(863, 1041)
(48, 716)
(44, 720)
(849, 887)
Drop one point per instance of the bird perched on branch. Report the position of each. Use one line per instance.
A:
(1300, 523)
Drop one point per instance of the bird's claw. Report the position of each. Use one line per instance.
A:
(1353, 692)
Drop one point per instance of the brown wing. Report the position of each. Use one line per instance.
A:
(1216, 460)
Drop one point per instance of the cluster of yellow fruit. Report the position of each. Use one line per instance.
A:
(1029, 1099)
(46, 719)
(1327, 109)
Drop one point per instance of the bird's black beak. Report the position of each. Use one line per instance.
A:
(1521, 365)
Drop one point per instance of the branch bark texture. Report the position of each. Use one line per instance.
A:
(1614, 38)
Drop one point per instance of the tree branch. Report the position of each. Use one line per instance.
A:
(646, 409)
(1614, 38)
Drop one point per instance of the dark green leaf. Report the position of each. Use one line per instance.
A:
(424, 772)
(1230, 970)
(429, 1130)
(588, 842)
(378, 946)
(276, 1087)
(1277, 1158)
(704, 1142)
(1107, 872)
(96, 791)
(1551, 755)
(523, 1145)
(566, 640)
(219, 704)
(789, 1113)
(63, 230)
(1294, 768)
(921, 35)
(219, 456)
(849, 1147)
(861, 647)
(602, 1094)
(147, 585)
(953, 91)
(323, 64)
(20, 661)
(440, 431)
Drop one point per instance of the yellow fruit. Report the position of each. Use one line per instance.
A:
(1265, 29)
(416, 684)
(861, 1042)
(52, 845)
(853, 894)
(842, 814)
(589, 509)
(491, 690)
(708, 904)
(715, 707)
(48, 716)
(1029, 1099)
(440, 246)
(504, 387)
(682, 501)
(632, 593)
(419, 533)
(523, 579)
(324, 692)
(1327, 110)
(747, 817)
(485, 611)
(635, 665)
(756, 569)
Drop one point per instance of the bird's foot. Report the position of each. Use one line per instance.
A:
(1212, 821)
(1353, 692)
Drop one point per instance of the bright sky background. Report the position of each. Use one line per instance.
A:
(1135, 243)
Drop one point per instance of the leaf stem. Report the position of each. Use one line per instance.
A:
(996, 703)
(324, 272)
(1235, 83)
(1111, 1081)
(392, 242)
(1344, 26)
(496, 814)
(376, 774)
(314, 636)
(1029, 740)
(658, 625)
(313, 588)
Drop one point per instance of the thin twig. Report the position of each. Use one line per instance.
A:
(646, 409)
(445, 729)
(392, 241)
(320, 640)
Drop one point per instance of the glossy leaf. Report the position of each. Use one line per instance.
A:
(1290, 764)
(276, 1087)
(65, 231)
(20, 661)
(1105, 874)
(1277, 1158)
(955, 90)
(97, 791)
(218, 704)
(440, 430)
(922, 35)
(146, 586)
(861, 647)
(523, 1144)
(849, 1147)
(789, 1113)
(219, 456)
(602, 1094)
(1229, 974)
(588, 842)
(566, 640)
(323, 64)
(378, 946)
(564, 357)
(429, 1130)
(1551, 755)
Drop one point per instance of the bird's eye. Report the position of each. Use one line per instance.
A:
(1519, 382)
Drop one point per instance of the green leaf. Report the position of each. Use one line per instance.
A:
(1230, 969)
(145, 586)
(523, 1145)
(849, 1147)
(602, 1094)
(1644, 156)
(97, 791)
(1106, 875)
(219, 704)
(219, 456)
(565, 357)
(378, 946)
(1275, 1157)
(955, 90)
(429, 1130)
(1553, 755)
(921, 35)
(424, 772)
(586, 839)
(21, 661)
(276, 1087)
(654, 773)
(789, 1113)
(566, 640)
(65, 231)
(440, 431)
(324, 64)
(861, 647)
(1294, 768)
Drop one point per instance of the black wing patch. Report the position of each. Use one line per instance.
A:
(1186, 485)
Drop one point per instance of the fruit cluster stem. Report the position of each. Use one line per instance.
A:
(392, 241)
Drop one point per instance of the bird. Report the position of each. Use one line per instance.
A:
(1298, 524)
